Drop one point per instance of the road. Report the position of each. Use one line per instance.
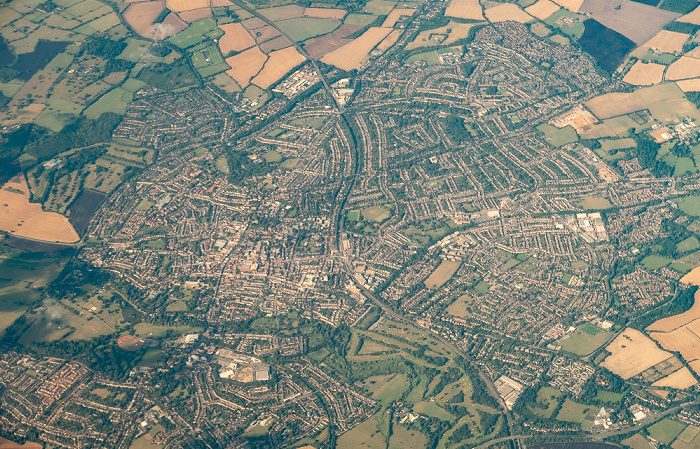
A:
(296, 44)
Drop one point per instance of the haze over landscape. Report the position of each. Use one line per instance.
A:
(378, 224)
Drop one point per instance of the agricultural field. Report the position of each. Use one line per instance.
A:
(304, 28)
(631, 353)
(507, 11)
(584, 340)
(680, 379)
(351, 55)
(642, 74)
(607, 47)
(21, 218)
(278, 64)
(464, 9)
(667, 41)
(235, 38)
(442, 274)
(542, 9)
(246, 65)
(683, 68)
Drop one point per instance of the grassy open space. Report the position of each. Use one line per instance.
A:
(584, 340)
(655, 262)
(666, 430)
(558, 136)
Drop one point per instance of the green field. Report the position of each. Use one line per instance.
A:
(689, 244)
(376, 213)
(574, 30)
(359, 19)
(608, 396)
(196, 33)
(584, 340)
(690, 205)
(115, 101)
(666, 430)
(654, 262)
(547, 400)
(303, 28)
(556, 136)
(429, 57)
(319, 355)
(574, 412)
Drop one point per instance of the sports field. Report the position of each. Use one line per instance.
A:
(584, 340)
(442, 273)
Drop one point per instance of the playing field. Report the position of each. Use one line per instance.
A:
(376, 213)
(235, 38)
(584, 340)
(442, 273)
(542, 9)
(680, 379)
(667, 41)
(21, 218)
(631, 353)
(465, 9)
(460, 308)
(666, 430)
(279, 63)
(683, 68)
(558, 136)
(244, 66)
(507, 11)
(350, 56)
(642, 74)
(614, 104)
(140, 16)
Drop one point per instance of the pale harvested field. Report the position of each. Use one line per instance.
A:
(195, 14)
(21, 218)
(631, 353)
(442, 273)
(277, 43)
(7, 444)
(395, 15)
(389, 40)
(692, 278)
(571, 5)
(325, 13)
(220, 3)
(186, 5)
(636, 21)
(23, 115)
(667, 41)
(465, 9)
(542, 9)
(614, 104)
(507, 11)
(692, 17)
(692, 85)
(253, 23)
(235, 38)
(265, 33)
(642, 74)
(244, 66)
(349, 56)
(140, 16)
(683, 68)
(674, 322)
(680, 379)
(279, 63)
(684, 340)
